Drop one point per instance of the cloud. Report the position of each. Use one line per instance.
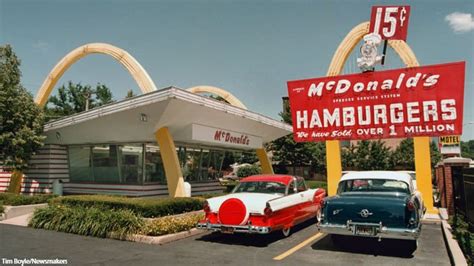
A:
(460, 22)
(41, 45)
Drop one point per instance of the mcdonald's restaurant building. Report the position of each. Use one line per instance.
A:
(149, 145)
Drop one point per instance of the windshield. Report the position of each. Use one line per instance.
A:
(261, 187)
(373, 185)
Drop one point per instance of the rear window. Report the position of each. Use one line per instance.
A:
(373, 185)
(260, 187)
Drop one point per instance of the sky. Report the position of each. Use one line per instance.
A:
(250, 48)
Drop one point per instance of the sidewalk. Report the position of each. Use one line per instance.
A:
(19, 220)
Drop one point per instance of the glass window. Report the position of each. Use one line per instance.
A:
(154, 171)
(260, 187)
(104, 164)
(80, 164)
(113, 164)
(131, 163)
(373, 185)
(291, 188)
(301, 184)
(199, 164)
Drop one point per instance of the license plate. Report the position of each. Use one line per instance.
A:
(227, 230)
(363, 230)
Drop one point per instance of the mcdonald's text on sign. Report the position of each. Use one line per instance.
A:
(390, 22)
(398, 103)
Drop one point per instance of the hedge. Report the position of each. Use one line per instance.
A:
(16, 199)
(171, 224)
(149, 208)
(88, 221)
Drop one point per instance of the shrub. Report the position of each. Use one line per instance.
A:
(248, 170)
(1, 207)
(463, 235)
(212, 195)
(16, 200)
(88, 221)
(171, 224)
(149, 208)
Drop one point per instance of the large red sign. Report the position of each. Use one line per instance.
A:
(390, 22)
(399, 103)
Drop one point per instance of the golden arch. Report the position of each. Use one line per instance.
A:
(142, 78)
(231, 99)
(421, 144)
(265, 162)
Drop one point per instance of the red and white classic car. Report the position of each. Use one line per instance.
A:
(262, 204)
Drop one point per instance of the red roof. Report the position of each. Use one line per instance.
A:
(285, 179)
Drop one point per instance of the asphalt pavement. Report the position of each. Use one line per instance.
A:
(217, 249)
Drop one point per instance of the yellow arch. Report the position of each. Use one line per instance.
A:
(231, 99)
(142, 78)
(265, 162)
(421, 144)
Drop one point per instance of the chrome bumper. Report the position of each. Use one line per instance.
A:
(381, 231)
(249, 229)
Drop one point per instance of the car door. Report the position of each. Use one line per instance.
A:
(307, 208)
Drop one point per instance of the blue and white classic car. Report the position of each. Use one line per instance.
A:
(378, 204)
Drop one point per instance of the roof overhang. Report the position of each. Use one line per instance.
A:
(189, 117)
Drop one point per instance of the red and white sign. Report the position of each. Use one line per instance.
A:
(390, 22)
(399, 103)
(225, 137)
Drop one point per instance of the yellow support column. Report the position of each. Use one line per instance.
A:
(264, 162)
(174, 177)
(423, 171)
(333, 161)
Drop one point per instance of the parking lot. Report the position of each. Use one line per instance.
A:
(304, 247)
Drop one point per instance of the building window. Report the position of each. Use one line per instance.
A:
(199, 164)
(111, 164)
(154, 171)
(80, 169)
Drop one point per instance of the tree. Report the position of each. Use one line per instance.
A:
(404, 156)
(21, 120)
(130, 94)
(467, 149)
(367, 155)
(435, 154)
(287, 152)
(247, 157)
(75, 98)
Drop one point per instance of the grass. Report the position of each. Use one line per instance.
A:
(317, 184)
(88, 221)
(18, 199)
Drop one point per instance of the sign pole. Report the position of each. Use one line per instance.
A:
(333, 164)
(423, 171)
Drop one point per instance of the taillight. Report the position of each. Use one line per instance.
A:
(411, 205)
(206, 207)
(268, 210)
(323, 203)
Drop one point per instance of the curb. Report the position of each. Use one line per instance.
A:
(455, 253)
(161, 240)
